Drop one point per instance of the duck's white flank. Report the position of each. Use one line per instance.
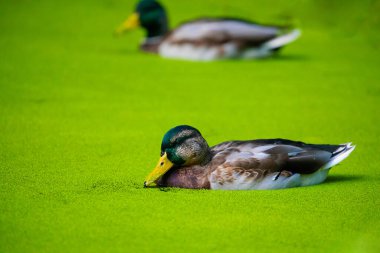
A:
(188, 52)
(244, 182)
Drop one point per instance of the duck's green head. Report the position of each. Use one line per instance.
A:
(181, 146)
(148, 14)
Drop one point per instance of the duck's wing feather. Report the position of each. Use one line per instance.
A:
(272, 163)
(326, 147)
(235, 168)
(293, 156)
(266, 144)
(207, 31)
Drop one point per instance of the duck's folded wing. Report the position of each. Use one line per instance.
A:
(306, 162)
(274, 157)
(307, 158)
(298, 144)
(247, 170)
(232, 164)
(257, 164)
(217, 31)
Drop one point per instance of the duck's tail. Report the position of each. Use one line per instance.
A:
(283, 39)
(339, 155)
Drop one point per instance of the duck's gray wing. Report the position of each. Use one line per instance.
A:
(209, 31)
(278, 141)
(235, 168)
(308, 158)
(301, 160)
(293, 156)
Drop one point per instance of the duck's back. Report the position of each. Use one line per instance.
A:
(210, 39)
(222, 30)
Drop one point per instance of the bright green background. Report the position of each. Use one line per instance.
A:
(82, 115)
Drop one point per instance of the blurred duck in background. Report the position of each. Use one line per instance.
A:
(206, 39)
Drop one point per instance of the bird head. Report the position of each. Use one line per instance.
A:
(181, 146)
(148, 14)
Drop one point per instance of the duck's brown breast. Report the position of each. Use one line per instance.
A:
(193, 177)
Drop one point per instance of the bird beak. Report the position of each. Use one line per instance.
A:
(162, 167)
(133, 21)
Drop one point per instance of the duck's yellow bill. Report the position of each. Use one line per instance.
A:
(133, 21)
(162, 167)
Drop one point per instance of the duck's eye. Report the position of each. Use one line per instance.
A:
(162, 163)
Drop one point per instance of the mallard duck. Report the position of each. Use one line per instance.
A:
(187, 161)
(206, 39)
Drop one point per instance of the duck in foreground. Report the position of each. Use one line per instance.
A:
(206, 39)
(188, 162)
